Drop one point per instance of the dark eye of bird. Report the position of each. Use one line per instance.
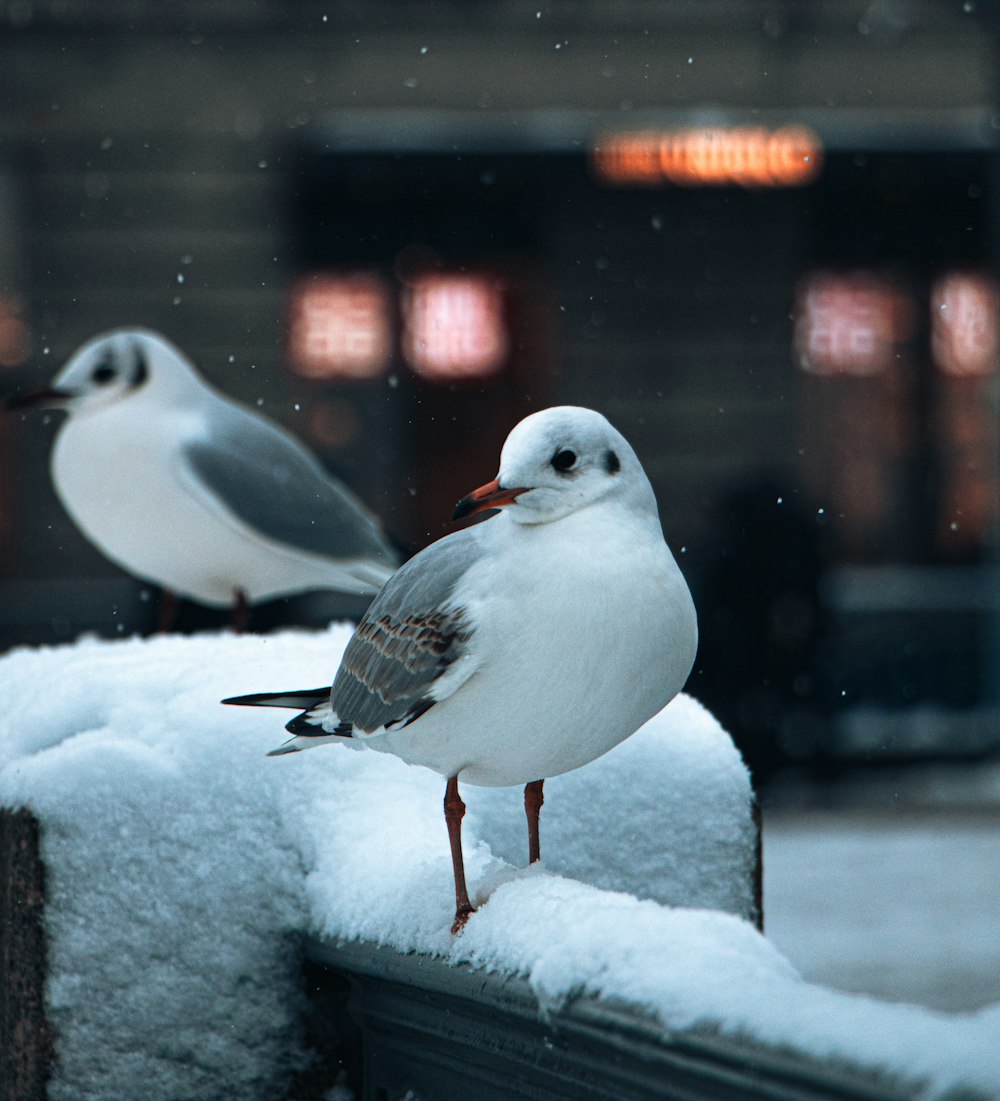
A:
(102, 374)
(564, 460)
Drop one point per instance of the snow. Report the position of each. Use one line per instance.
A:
(184, 865)
(172, 909)
(693, 968)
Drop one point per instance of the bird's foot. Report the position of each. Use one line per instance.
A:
(462, 915)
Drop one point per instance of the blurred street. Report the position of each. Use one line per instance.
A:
(899, 904)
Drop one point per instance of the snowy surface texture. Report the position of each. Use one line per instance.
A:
(172, 840)
(183, 864)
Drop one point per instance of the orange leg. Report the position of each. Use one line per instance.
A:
(454, 812)
(533, 800)
(166, 615)
(241, 612)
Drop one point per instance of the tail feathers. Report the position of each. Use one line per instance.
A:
(318, 721)
(286, 747)
(297, 744)
(302, 698)
(315, 725)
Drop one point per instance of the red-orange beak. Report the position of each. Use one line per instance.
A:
(490, 495)
(43, 395)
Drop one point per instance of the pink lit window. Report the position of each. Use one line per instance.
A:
(454, 326)
(849, 324)
(964, 326)
(340, 327)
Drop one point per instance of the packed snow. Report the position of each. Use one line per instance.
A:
(184, 866)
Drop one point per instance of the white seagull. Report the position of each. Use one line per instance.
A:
(525, 646)
(191, 491)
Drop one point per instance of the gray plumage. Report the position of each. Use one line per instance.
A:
(269, 480)
(407, 640)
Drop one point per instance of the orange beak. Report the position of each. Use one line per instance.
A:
(488, 496)
(44, 395)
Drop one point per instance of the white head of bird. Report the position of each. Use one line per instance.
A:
(559, 461)
(115, 366)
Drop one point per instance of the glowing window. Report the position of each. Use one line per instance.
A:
(849, 324)
(453, 326)
(964, 325)
(340, 327)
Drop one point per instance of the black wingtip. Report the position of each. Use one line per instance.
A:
(297, 700)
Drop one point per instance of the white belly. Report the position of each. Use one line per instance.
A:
(140, 514)
(561, 681)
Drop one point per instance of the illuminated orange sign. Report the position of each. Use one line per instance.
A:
(340, 327)
(965, 336)
(747, 156)
(453, 326)
(850, 323)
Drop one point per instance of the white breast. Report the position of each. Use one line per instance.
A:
(584, 630)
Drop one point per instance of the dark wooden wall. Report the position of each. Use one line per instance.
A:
(141, 143)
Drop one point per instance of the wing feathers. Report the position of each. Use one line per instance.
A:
(391, 665)
(396, 665)
(263, 475)
(298, 699)
(311, 726)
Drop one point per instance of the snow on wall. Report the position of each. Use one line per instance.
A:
(183, 865)
(178, 852)
(666, 816)
(171, 905)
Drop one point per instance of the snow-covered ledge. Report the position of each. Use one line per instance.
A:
(184, 869)
(431, 1030)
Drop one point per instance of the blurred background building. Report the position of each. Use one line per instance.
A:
(760, 235)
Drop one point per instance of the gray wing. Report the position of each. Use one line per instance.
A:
(409, 637)
(270, 481)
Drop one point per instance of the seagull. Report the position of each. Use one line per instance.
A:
(188, 490)
(526, 645)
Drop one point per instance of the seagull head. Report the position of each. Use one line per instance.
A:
(558, 461)
(109, 368)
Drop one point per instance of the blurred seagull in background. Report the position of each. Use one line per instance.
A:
(525, 646)
(191, 491)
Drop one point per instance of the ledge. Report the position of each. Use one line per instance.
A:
(431, 1030)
